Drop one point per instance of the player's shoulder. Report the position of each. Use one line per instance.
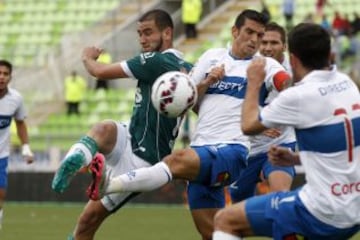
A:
(216, 51)
(14, 93)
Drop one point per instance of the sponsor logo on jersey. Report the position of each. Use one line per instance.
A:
(5, 121)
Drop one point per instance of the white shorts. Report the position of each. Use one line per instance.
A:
(120, 161)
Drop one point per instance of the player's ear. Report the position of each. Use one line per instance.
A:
(167, 33)
(234, 32)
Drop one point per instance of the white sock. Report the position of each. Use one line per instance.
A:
(219, 235)
(141, 180)
(1, 217)
(81, 147)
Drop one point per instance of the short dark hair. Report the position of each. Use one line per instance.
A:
(7, 64)
(252, 15)
(311, 44)
(273, 26)
(162, 18)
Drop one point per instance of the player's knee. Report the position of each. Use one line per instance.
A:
(222, 219)
(175, 161)
(105, 135)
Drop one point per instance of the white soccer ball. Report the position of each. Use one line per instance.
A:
(173, 93)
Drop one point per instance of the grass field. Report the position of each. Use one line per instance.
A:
(134, 222)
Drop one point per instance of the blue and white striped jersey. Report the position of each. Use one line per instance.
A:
(220, 109)
(11, 106)
(324, 109)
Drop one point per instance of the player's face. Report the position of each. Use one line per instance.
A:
(4, 77)
(272, 46)
(150, 37)
(247, 39)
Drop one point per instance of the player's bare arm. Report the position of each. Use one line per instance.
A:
(250, 124)
(100, 70)
(281, 156)
(26, 152)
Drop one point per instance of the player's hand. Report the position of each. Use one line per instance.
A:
(256, 72)
(272, 132)
(91, 53)
(282, 156)
(215, 74)
(27, 154)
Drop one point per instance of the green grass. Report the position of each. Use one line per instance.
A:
(135, 222)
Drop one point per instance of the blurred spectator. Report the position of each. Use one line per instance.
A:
(320, 4)
(288, 11)
(106, 58)
(355, 24)
(75, 87)
(265, 10)
(338, 24)
(191, 12)
(325, 23)
(309, 18)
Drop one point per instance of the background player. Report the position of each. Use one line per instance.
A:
(273, 44)
(11, 107)
(324, 109)
(150, 135)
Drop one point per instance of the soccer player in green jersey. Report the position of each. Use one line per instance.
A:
(149, 136)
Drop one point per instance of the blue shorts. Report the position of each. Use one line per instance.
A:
(220, 165)
(3, 172)
(245, 185)
(282, 215)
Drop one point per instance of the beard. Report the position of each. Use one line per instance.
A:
(156, 46)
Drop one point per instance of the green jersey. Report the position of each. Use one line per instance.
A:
(152, 135)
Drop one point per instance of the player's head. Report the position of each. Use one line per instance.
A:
(273, 44)
(310, 48)
(247, 33)
(155, 29)
(5, 74)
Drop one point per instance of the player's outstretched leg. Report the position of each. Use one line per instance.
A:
(67, 170)
(97, 167)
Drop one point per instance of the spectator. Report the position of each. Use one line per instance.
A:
(325, 23)
(75, 87)
(355, 24)
(338, 24)
(105, 58)
(11, 107)
(288, 11)
(320, 4)
(265, 10)
(191, 13)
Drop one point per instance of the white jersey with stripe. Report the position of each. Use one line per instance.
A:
(261, 143)
(11, 106)
(324, 109)
(220, 108)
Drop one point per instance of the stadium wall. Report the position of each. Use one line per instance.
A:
(36, 187)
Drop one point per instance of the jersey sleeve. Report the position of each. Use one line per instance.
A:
(143, 65)
(283, 110)
(20, 113)
(276, 75)
(201, 68)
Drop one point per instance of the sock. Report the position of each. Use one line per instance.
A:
(219, 235)
(141, 180)
(1, 217)
(87, 146)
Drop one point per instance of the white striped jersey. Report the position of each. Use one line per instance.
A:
(324, 109)
(220, 108)
(11, 106)
(261, 143)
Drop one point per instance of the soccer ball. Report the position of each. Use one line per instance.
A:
(173, 93)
